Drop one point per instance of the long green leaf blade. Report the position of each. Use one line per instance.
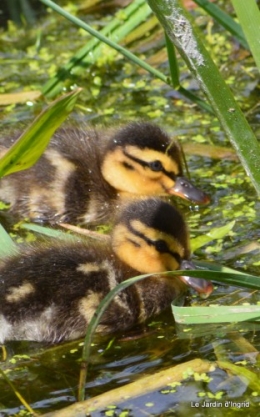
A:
(215, 314)
(48, 231)
(101, 37)
(180, 29)
(7, 245)
(53, 86)
(249, 17)
(224, 19)
(32, 143)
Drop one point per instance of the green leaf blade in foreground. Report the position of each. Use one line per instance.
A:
(231, 278)
(224, 19)
(48, 231)
(7, 245)
(248, 14)
(180, 29)
(32, 143)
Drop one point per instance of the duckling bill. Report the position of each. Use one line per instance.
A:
(84, 174)
(50, 292)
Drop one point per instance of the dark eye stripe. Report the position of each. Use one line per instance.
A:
(160, 245)
(128, 166)
(172, 175)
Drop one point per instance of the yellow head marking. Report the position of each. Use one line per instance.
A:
(128, 170)
(137, 247)
(150, 155)
(155, 235)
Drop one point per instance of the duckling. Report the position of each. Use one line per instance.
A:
(84, 174)
(51, 291)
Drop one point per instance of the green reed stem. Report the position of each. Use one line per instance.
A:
(180, 29)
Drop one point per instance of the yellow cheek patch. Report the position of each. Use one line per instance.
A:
(127, 175)
(131, 181)
(136, 251)
(17, 294)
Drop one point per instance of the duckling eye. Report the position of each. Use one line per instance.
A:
(156, 165)
(161, 246)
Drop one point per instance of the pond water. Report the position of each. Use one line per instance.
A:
(117, 91)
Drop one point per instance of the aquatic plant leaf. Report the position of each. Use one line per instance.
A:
(48, 231)
(7, 245)
(54, 85)
(216, 233)
(32, 143)
(218, 330)
(210, 266)
(249, 17)
(229, 278)
(251, 377)
(183, 33)
(224, 19)
(215, 314)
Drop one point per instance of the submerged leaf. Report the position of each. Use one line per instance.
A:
(215, 314)
(216, 233)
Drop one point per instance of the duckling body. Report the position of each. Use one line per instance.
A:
(84, 174)
(50, 292)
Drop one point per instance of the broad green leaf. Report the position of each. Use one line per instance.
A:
(215, 314)
(216, 233)
(7, 245)
(248, 14)
(30, 146)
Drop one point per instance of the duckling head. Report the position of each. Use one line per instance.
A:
(151, 236)
(141, 159)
